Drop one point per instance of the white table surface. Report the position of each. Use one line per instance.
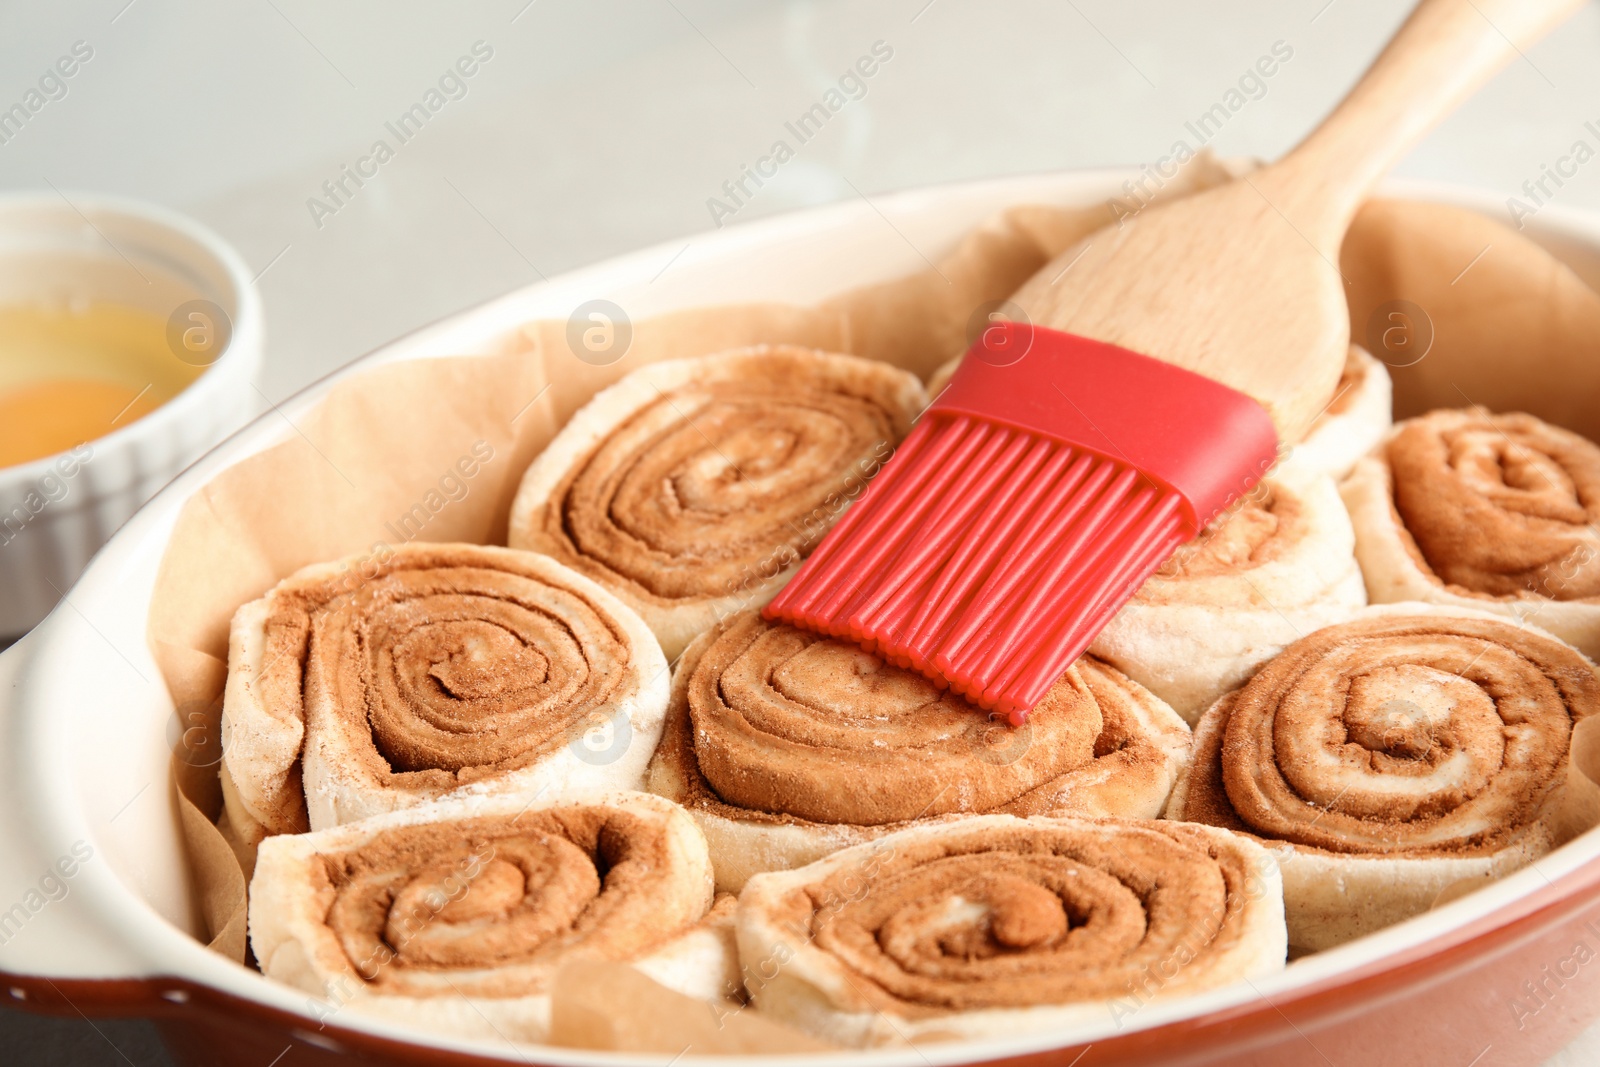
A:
(599, 126)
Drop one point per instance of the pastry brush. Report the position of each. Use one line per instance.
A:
(1147, 384)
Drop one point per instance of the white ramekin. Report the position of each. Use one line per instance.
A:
(56, 512)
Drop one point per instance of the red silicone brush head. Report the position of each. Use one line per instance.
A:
(1032, 499)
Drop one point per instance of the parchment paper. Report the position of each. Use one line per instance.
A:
(1513, 328)
(1509, 327)
(614, 1008)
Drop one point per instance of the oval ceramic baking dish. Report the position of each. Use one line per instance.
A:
(97, 915)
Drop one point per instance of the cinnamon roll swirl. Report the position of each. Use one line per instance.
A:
(1409, 751)
(1356, 419)
(455, 916)
(693, 488)
(998, 925)
(1278, 566)
(1495, 512)
(786, 746)
(375, 683)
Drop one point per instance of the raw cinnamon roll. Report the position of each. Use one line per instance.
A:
(1384, 761)
(695, 487)
(998, 925)
(1355, 420)
(1277, 567)
(372, 684)
(455, 916)
(786, 746)
(1496, 512)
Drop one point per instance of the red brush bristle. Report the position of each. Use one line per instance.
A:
(1038, 493)
(997, 588)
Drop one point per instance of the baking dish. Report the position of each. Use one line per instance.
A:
(97, 916)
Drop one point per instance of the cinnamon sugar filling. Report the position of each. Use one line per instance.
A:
(1259, 531)
(1502, 505)
(492, 906)
(717, 487)
(787, 722)
(777, 724)
(453, 663)
(1423, 734)
(1025, 915)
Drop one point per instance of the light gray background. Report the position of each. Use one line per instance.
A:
(602, 125)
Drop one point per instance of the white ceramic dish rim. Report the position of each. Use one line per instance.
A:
(244, 344)
(107, 928)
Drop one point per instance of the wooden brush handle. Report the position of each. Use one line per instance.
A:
(1241, 282)
(1442, 53)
